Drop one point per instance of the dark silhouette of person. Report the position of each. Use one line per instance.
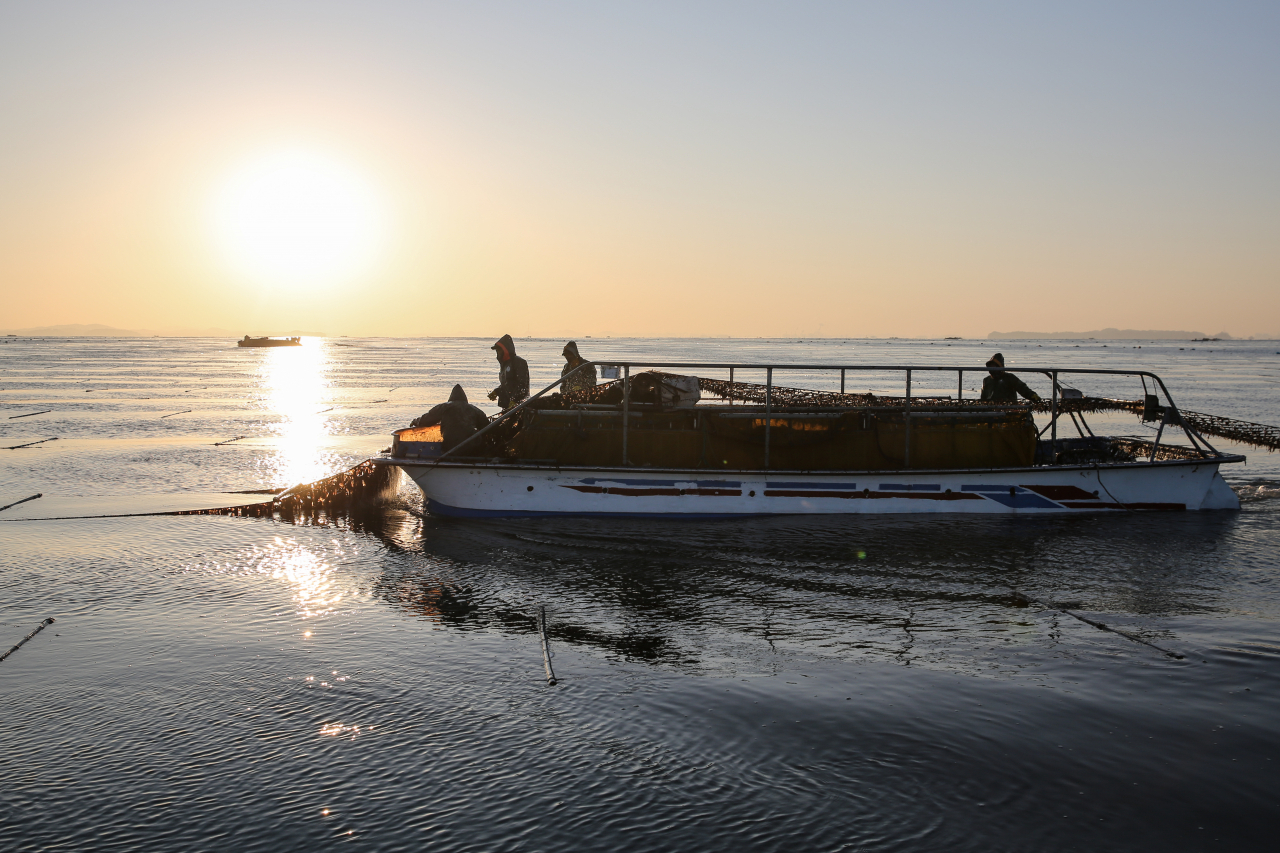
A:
(458, 419)
(582, 380)
(513, 375)
(1002, 387)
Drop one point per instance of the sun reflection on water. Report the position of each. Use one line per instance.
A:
(310, 577)
(295, 383)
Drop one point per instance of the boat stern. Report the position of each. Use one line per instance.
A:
(1219, 495)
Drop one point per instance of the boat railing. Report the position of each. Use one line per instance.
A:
(1152, 410)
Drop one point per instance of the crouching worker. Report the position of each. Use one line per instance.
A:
(584, 379)
(1002, 387)
(458, 419)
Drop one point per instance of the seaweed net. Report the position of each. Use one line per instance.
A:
(1244, 432)
(751, 392)
(333, 497)
(1141, 449)
(784, 397)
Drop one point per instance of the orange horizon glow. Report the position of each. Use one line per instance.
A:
(824, 171)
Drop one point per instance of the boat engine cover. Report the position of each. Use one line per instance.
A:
(679, 392)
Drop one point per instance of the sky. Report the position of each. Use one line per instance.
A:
(641, 168)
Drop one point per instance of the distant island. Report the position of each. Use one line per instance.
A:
(98, 330)
(1109, 335)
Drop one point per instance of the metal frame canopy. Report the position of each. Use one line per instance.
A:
(1171, 414)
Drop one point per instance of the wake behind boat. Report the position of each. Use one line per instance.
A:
(649, 445)
(247, 341)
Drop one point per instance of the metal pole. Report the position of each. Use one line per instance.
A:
(1079, 429)
(730, 385)
(626, 409)
(842, 380)
(38, 629)
(1156, 445)
(906, 423)
(1053, 420)
(960, 390)
(768, 411)
(1190, 431)
(546, 649)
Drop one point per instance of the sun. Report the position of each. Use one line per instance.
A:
(299, 218)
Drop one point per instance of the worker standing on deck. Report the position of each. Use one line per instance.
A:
(513, 375)
(1001, 387)
(458, 419)
(584, 379)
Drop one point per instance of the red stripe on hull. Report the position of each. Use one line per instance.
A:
(918, 496)
(629, 492)
(1063, 493)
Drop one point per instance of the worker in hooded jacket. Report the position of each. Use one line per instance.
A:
(513, 375)
(458, 419)
(584, 379)
(1002, 387)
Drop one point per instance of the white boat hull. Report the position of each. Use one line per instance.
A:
(456, 489)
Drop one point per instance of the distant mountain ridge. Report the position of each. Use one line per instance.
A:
(98, 330)
(1107, 335)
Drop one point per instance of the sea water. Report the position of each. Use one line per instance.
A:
(790, 683)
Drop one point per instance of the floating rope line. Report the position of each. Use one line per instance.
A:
(1102, 626)
(171, 414)
(24, 500)
(31, 443)
(38, 629)
(229, 440)
(30, 414)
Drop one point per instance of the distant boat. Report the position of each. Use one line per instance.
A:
(247, 341)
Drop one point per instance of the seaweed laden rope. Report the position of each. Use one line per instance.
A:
(330, 498)
(333, 496)
(1244, 432)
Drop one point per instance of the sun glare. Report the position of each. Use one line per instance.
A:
(299, 218)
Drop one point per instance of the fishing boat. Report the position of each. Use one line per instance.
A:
(247, 341)
(687, 444)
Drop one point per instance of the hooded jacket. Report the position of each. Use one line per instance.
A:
(582, 380)
(458, 419)
(513, 375)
